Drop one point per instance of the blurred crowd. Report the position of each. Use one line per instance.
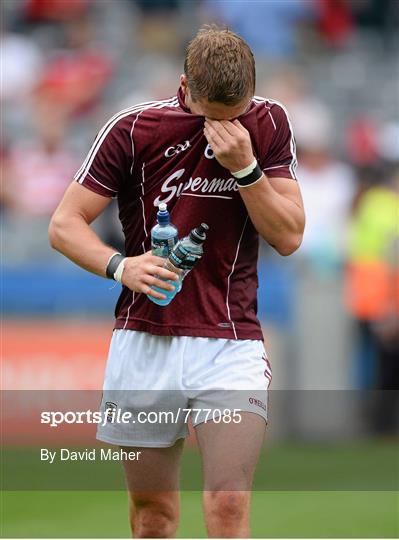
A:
(68, 65)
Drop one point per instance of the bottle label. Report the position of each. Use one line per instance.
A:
(184, 259)
(162, 248)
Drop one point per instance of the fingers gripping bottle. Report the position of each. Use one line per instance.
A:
(163, 234)
(185, 255)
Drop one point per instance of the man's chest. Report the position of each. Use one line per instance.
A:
(181, 163)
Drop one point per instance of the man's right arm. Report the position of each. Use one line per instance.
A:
(70, 233)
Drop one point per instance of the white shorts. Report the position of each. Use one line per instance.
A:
(201, 379)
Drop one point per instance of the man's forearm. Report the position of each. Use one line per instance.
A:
(75, 239)
(70, 233)
(279, 220)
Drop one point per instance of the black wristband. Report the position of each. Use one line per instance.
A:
(251, 178)
(113, 264)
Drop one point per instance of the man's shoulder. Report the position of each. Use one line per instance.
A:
(145, 109)
(271, 112)
(269, 104)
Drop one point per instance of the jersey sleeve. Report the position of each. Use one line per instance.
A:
(108, 162)
(280, 159)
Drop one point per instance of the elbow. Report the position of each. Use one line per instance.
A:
(289, 245)
(54, 232)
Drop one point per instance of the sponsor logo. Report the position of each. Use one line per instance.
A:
(224, 325)
(174, 150)
(171, 187)
(257, 402)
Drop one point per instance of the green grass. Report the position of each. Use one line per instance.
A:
(274, 514)
(310, 466)
(303, 490)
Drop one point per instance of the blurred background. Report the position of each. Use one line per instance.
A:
(330, 311)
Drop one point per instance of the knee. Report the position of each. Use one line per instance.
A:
(154, 519)
(230, 506)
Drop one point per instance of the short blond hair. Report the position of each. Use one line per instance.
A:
(219, 66)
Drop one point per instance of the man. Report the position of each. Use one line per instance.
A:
(214, 154)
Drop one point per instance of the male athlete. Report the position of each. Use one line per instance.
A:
(215, 154)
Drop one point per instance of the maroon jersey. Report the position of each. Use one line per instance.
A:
(157, 152)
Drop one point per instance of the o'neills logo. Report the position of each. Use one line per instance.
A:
(215, 187)
(257, 402)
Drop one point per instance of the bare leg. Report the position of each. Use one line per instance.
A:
(229, 456)
(153, 491)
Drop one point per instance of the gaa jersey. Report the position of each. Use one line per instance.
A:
(157, 152)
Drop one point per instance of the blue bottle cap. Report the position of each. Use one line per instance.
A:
(163, 214)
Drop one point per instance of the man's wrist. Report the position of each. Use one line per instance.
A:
(249, 175)
(115, 267)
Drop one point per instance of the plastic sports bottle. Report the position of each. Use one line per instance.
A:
(185, 255)
(163, 234)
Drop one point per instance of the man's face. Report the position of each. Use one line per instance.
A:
(213, 110)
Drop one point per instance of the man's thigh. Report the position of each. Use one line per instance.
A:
(230, 412)
(157, 469)
(230, 452)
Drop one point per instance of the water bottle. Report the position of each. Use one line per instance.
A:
(163, 234)
(185, 255)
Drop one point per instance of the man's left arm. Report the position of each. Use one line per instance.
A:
(274, 204)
